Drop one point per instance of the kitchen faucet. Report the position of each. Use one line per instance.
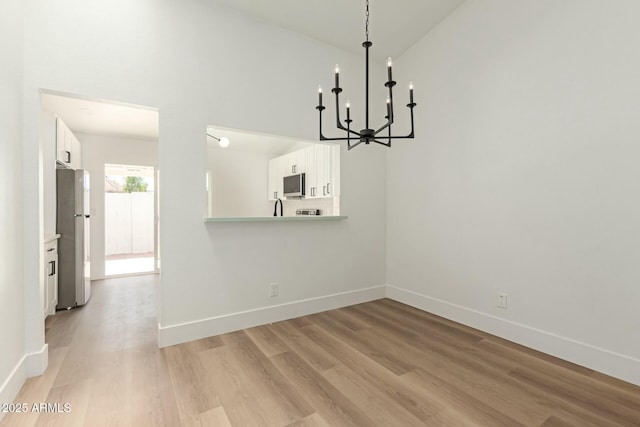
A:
(275, 208)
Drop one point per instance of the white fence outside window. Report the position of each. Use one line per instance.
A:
(128, 223)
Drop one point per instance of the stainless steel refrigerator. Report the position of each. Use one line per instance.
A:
(72, 223)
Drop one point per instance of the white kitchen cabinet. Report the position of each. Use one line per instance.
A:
(311, 175)
(295, 163)
(321, 165)
(320, 151)
(315, 175)
(49, 292)
(327, 168)
(277, 169)
(76, 153)
(334, 171)
(68, 150)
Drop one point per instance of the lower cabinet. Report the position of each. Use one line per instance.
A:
(50, 285)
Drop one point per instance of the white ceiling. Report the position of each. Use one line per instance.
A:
(103, 118)
(271, 145)
(394, 25)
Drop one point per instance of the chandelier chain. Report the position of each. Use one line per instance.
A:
(366, 31)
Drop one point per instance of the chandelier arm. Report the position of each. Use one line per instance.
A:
(399, 137)
(411, 105)
(339, 124)
(352, 132)
(385, 137)
(320, 108)
(349, 147)
(387, 144)
(386, 125)
(324, 138)
(408, 136)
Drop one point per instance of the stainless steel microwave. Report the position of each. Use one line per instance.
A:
(293, 185)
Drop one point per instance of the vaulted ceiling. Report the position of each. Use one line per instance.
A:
(395, 25)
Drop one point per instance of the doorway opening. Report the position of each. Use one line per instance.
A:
(130, 226)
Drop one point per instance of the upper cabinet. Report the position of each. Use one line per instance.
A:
(277, 169)
(68, 151)
(295, 162)
(321, 165)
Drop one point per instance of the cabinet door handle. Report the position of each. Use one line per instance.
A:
(52, 268)
(68, 156)
(51, 249)
(324, 190)
(328, 184)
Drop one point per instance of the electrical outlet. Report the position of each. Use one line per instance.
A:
(502, 300)
(274, 290)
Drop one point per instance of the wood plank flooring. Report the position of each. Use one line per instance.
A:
(376, 364)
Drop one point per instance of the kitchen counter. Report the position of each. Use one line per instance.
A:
(50, 237)
(278, 218)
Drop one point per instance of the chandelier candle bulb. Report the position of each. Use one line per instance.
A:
(389, 63)
(411, 92)
(348, 110)
(319, 96)
(337, 76)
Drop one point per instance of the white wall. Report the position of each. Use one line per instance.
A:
(238, 182)
(12, 290)
(201, 63)
(524, 178)
(98, 150)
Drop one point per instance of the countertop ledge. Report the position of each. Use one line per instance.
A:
(277, 218)
(51, 237)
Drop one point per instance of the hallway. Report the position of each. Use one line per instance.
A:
(104, 361)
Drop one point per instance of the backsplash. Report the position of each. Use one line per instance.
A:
(329, 206)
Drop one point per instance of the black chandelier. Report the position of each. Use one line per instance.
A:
(366, 135)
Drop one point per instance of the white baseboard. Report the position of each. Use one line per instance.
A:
(119, 276)
(37, 362)
(176, 334)
(30, 365)
(12, 384)
(616, 365)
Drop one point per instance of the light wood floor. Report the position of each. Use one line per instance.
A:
(375, 364)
